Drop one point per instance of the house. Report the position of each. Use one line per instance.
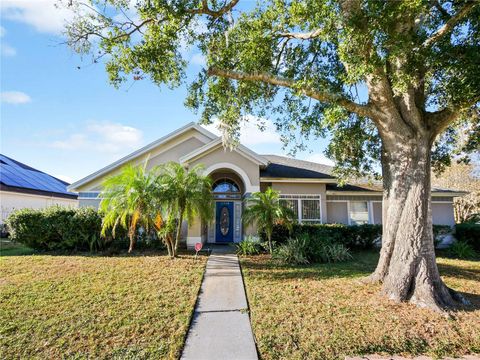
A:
(308, 188)
(22, 186)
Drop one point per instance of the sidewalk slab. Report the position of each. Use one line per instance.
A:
(220, 327)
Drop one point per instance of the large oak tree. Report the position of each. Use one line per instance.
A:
(307, 64)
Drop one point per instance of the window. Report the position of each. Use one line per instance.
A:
(88, 195)
(358, 212)
(226, 189)
(306, 208)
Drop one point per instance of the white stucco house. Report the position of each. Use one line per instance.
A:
(308, 188)
(22, 186)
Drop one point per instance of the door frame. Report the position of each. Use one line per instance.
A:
(237, 221)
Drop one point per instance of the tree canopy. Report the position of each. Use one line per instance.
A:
(277, 57)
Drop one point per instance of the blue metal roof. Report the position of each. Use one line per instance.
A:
(15, 175)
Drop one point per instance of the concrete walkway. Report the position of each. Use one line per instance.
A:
(220, 327)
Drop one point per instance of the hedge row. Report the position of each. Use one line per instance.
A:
(357, 237)
(57, 228)
(468, 233)
(353, 237)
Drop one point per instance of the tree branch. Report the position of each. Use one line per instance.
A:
(362, 110)
(450, 24)
(301, 36)
(205, 10)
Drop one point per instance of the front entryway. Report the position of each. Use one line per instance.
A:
(224, 221)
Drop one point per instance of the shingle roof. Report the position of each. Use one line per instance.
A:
(285, 167)
(15, 176)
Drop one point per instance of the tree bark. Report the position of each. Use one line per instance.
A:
(179, 231)
(407, 266)
(132, 243)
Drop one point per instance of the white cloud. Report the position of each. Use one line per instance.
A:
(14, 97)
(319, 158)
(105, 137)
(7, 50)
(43, 15)
(250, 134)
(198, 59)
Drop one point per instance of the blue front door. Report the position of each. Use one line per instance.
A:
(224, 221)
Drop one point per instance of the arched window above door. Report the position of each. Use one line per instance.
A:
(226, 189)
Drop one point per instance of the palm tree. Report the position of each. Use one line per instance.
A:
(131, 199)
(187, 194)
(265, 209)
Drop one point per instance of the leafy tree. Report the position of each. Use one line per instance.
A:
(186, 194)
(390, 81)
(131, 200)
(265, 210)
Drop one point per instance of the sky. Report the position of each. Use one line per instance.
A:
(60, 115)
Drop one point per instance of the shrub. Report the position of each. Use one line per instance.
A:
(57, 228)
(305, 249)
(249, 246)
(352, 237)
(331, 253)
(292, 252)
(438, 232)
(462, 250)
(468, 233)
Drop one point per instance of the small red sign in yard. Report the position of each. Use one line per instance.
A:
(198, 247)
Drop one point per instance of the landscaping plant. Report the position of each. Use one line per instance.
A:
(131, 200)
(250, 245)
(265, 210)
(392, 84)
(185, 195)
(462, 250)
(57, 228)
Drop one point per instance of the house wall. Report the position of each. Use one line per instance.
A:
(305, 189)
(232, 161)
(377, 212)
(337, 209)
(337, 212)
(172, 150)
(10, 201)
(442, 214)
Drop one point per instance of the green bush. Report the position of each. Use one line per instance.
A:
(293, 251)
(249, 246)
(305, 249)
(462, 250)
(357, 237)
(468, 233)
(57, 228)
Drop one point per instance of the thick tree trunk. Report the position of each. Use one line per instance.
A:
(407, 266)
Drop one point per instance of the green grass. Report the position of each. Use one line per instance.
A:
(324, 312)
(96, 307)
(8, 248)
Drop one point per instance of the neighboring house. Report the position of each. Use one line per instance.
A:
(22, 186)
(307, 187)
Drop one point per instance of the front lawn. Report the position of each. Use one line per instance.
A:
(96, 307)
(324, 312)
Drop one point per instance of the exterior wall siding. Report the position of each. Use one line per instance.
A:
(11, 201)
(337, 212)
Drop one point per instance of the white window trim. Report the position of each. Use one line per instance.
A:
(301, 197)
